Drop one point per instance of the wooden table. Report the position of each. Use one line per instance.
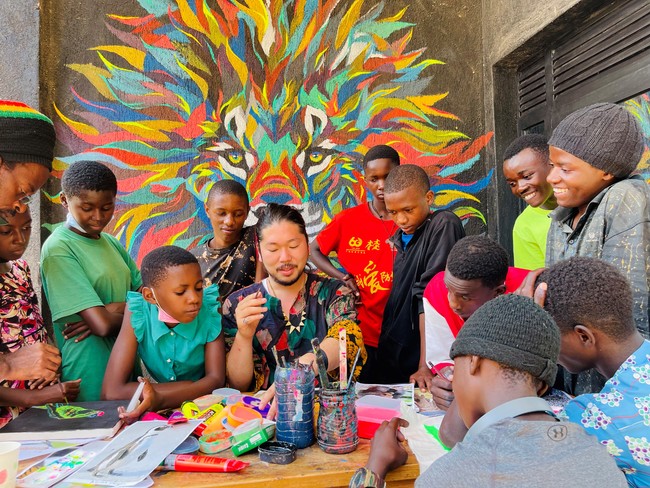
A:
(312, 468)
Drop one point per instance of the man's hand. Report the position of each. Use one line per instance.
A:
(442, 392)
(59, 392)
(423, 378)
(386, 451)
(250, 310)
(351, 282)
(32, 362)
(78, 330)
(150, 402)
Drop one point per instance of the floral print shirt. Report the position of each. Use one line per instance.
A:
(619, 416)
(21, 322)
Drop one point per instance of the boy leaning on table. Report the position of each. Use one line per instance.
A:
(505, 357)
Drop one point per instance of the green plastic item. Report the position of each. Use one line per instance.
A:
(435, 433)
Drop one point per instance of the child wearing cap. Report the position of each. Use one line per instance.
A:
(505, 357)
(604, 211)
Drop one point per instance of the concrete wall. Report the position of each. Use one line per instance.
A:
(19, 80)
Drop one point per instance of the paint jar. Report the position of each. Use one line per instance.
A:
(294, 392)
(337, 420)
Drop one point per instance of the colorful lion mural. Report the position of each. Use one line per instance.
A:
(284, 96)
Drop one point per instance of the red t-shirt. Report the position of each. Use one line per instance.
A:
(360, 241)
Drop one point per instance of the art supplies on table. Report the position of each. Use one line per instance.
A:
(404, 392)
(343, 359)
(337, 420)
(146, 483)
(294, 387)
(33, 449)
(277, 452)
(372, 411)
(201, 464)
(57, 421)
(58, 466)
(422, 437)
(131, 456)
(425, 405)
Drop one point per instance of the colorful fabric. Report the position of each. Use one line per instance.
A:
(619, 416)
(232, 268)
(529, 238)
(398, 353)
(322, 307)
(174, 353)
(442, 324)
(362, 245)
(79, 273)
(21, 323)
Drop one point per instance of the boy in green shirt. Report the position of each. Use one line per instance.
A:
(86, 275)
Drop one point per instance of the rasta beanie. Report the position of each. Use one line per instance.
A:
(26, 135)
(514, 331)
(605, 135)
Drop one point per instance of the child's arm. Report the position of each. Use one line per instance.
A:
(116, 385)
(60, 392)
(100, 321)
(323, 263)
(171, 395)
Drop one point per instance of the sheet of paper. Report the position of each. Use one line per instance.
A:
(399, 391)
(421, 442)
(134, 453)
(33, 449)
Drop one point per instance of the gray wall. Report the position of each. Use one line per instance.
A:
(19, 80)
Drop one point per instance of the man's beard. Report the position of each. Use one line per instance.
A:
(287, 282)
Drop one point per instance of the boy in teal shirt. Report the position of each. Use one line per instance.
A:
(86, 275)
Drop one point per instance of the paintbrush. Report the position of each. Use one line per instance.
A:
(275, 356)
(343, 359)
(322, 371)
(354, 366)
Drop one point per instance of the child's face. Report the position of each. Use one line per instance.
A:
(575, 182)
(375, 176)
(466, 296)
(408, 208)
(227, 214)
(574, 356)
(180, 292)
(14, 236)
(464, 387)
(526, 174)
(93, 210)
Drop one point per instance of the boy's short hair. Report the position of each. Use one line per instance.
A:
(155, 263)
(228, 187)
(26, 135)
(535, 142)
(381, 152)
(515, 332)
(88, 176)
(588, 291)
(479, 258)
(407, 176)
(604, 135)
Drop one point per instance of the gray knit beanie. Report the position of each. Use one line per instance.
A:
(514, 331)
(605, 135)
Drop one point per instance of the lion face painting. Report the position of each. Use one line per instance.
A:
(284, 96)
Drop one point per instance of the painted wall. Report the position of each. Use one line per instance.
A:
(284, 96)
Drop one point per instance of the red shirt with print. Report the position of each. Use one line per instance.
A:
(360, 241)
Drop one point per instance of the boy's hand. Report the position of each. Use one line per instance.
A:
(527, 287)
(78, 330)
(442, 392)
(250, 310)
(150, 401)
(40, 383)
(423, 378)
(351, 283)
(386, 451)
(39, 360)
(269, 396)
(58, 393)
